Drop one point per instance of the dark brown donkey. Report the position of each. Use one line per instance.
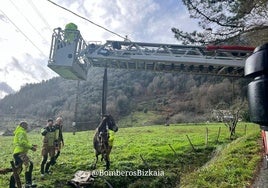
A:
(101, 139)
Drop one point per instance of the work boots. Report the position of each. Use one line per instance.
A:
(28, 180)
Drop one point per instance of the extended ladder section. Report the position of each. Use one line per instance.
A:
(71, 58)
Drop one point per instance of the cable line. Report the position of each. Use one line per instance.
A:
(88, 20)
(28, 21)
(40, 15)
(23, 33)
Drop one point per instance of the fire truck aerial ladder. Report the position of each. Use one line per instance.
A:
(71, 57)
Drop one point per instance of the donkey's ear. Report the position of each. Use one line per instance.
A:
(110, 116)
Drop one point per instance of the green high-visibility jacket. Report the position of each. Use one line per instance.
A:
(49, 136)
(70, 32)
(20, 141)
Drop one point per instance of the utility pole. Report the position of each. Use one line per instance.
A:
(75, 107)
(104, 93)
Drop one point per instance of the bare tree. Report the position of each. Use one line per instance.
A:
(229, 116)
(230, 120)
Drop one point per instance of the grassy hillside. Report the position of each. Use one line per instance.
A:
(233, 166)
(158, 148)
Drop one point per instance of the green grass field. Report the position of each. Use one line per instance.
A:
(158, 148)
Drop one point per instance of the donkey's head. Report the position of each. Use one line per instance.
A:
(110, 123)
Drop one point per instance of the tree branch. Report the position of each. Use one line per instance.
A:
(211, 20)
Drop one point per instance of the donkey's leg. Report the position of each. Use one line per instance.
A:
(102, 156)
(107, 159)
(107, 164)
(97, 158)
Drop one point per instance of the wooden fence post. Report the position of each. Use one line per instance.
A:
(143, 160)
(206, 140)
(175, 153)
(219, 131)
(190, 142)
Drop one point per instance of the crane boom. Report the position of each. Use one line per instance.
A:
(71, 57)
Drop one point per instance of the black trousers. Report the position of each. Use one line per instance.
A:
(45, 165)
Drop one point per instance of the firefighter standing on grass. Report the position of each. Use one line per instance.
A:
(48, 147)
(22, 146)
(59, 143)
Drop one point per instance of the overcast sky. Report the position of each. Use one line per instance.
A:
(27, 26)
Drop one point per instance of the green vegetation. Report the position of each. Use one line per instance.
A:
(185, 98)
(233, 166)
(140, 118)
(222, 164)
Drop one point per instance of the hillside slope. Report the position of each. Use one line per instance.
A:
(180, 97)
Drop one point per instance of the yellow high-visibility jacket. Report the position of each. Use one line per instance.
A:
(20, 141)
